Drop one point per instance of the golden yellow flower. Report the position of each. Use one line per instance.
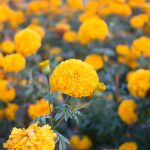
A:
(127, 111)
(95, 60)
(139, 21)
(139, 82)
(141, 46)
(55, 50)
(74, 78)
(70, 36)
(8, 46)
(27, 42)
(92, 29)
(10, 111)
(128, 146)
(37, 29)
(126, 56)
(44, 66)
(14, 63)
(7, 93)
(75, 4)
(41, 108)
(80, 143)
(34, 137)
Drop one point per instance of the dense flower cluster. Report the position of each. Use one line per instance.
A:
(34, 137)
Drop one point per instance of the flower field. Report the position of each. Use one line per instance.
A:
(75, 75)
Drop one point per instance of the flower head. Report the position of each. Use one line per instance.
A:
(128, 145)
(34, 137)
(7, 46)
(74, 78)
(44, 66)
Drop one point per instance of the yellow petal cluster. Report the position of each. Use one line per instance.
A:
(7, 46)
(80, 143)
(128, 146)
(75, 78)
(75, 4)
(14, 63)
(34, 137)
(70, 36)
(95, 60)
(139, 82)
(7, 93)
(41, 108)
(92, 29)
(27, 42)
(127, 111)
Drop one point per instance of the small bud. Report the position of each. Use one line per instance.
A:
(44, 66)
(100, 89)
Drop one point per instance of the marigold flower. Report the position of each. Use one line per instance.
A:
(139, 21)
(8, 46)
(10, 111)
(128, 145)
(75, 4)
(95, 60)
(27, 42)
(44, 66)
(7, 93)
(14, 63)
(127, 111)
(141, 50)
(41, 108)
(139, 82)
(70, 36)
(80, 143)
(92, 29)
(34, 137)
(74, 78)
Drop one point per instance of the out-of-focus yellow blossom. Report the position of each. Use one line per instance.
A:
(1, 114)
(92, 29)
(74, 78)
(139, 21)
(1, 74)
(14, 63)
(141, 46)
(8, 46)
(95, 60)
(7, 93)
(1, 59)
(10, 111)
(4, 12)
(61, 28)
(44, 66)
(75, 4)
(139, 82)
(80, 143)
(70, 36)
(137, 3)
(41, 108)
(23, 82)
(37, 29)
(128, 146)
(27, 42)
(127, 111)
(58, 58)
(55, 51)
(34, 137)
(55, 5)
(126, 56)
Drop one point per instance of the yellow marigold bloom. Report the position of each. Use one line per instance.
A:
(34, 137)
(70, 36)
(41, 108)
(14, 63)
(141, 46)
(127, 111)
(27, 42)
(128, 146)
(137, 3)
(139, 82)
(80, 143)
(4, 11)
(92, 29)
(10, 111)
(8, 46)
(95, 60)
(37, 29)
(55, 51)
(126, 56)
(74, 78)
(75, 4)
(7, 93)
(44, 66)
(139, 21)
